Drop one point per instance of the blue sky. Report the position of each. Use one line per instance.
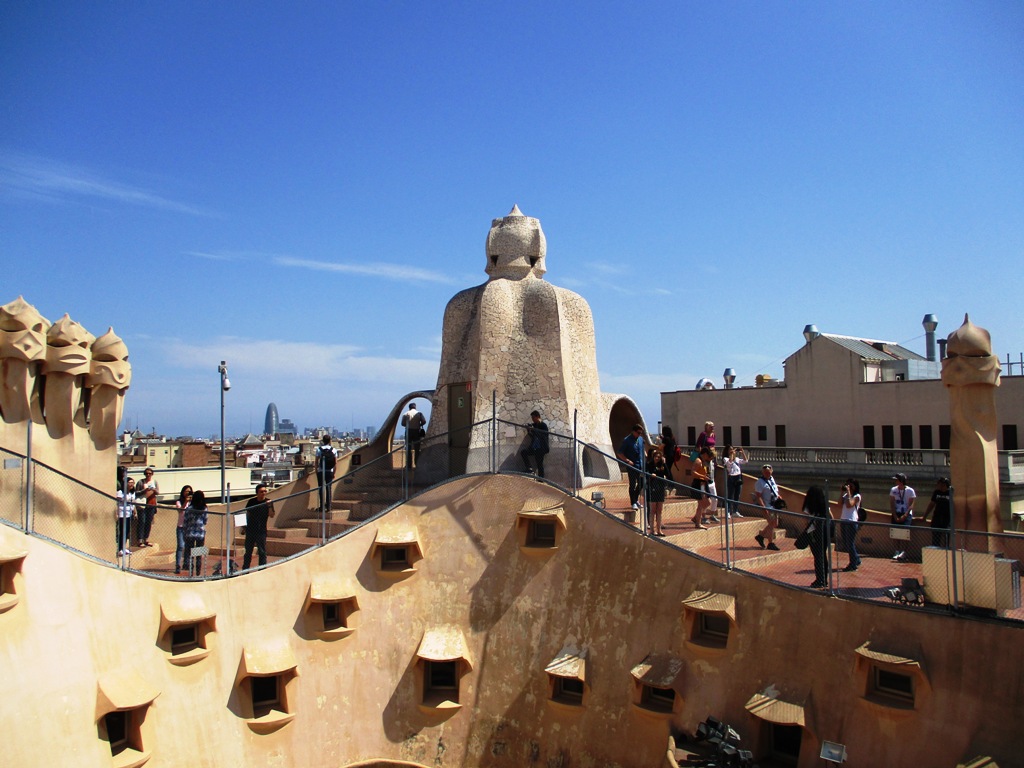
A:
(300, 188)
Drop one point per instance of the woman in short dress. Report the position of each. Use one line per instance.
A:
(658, 470)
(700, 473)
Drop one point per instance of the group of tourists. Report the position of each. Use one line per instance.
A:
(137, 507)
(655, 464)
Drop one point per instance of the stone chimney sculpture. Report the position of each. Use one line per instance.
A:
(971, 373)
(108, 379)
(61, 401)
(524, 344)
(22, 349)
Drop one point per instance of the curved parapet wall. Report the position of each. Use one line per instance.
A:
(494, 621)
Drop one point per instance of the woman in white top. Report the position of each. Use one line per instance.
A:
(849, 508)
(734, 461)
(125, 508)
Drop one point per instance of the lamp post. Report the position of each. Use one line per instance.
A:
(225, 385)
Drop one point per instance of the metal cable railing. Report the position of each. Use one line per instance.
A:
(965, 572)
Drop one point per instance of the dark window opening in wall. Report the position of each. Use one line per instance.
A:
(744, 435)
(442, 676)
(117, 730)
(906, 436)
(1009, 437)
(394, 558)
(333, 616)
(658, 699)
(265, 694)
(568, 690)
(541, 533)
(184, 637)
(869, 436)
(888, 437)
(925, 435)
(892, 684)
(691, 435)
(786, 742)
(714, 626)
(762, 434)
(944, 431)
(727, 435)
(780, 435)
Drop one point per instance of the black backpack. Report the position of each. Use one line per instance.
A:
(328, 461)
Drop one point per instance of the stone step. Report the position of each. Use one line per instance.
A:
(284, 533)
(770, 558)
(277, 547)
(147, 557)
(741, 530)
(334, 527)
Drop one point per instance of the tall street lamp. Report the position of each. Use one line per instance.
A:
(225, 385)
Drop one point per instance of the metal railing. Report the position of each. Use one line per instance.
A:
(948, 571)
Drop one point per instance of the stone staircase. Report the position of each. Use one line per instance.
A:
(352, 503)
(711, 542)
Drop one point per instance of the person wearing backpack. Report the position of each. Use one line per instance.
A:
(326, 462)
(850, 517)
(414, 423)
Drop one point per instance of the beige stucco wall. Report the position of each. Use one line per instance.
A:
(605, 588)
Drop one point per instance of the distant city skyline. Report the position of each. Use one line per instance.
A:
(301, 193)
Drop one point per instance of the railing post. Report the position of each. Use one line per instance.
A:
(727, 518)
(953, 549)
(227, 534)
(575, 448)
(494, 431)
(828, 538)
(29, 478)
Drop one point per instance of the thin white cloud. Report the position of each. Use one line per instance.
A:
(433, 349)
(216, 256)
(606, 268)
(307, 361)
(38, 177)
(398, 272)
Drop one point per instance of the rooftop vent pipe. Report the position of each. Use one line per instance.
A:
(930, 323)
(730, 377)
(811, 332)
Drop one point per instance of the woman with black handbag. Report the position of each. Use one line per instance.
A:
(816, 505)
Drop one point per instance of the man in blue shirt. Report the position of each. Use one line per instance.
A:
(631, 453)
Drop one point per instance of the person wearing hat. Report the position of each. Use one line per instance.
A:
(766, 493)
(901, 504)
(939, 511)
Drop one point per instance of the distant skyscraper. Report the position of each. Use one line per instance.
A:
(270, 423)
